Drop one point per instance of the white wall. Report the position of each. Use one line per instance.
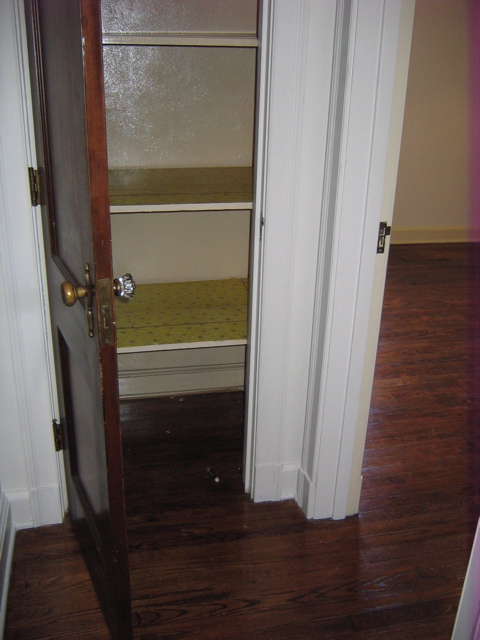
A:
(431, 201)
(181, 107)
(201, 16)
(181, 246)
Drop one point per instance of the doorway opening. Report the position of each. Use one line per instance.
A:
(180, 93)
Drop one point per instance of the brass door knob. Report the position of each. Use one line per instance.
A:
(71, 294)
(124, 286)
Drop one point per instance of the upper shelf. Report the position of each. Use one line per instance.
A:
(182, 39)
(145, 190)
(180, 16)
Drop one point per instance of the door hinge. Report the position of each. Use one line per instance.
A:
(57, 435)
(383, 231)
(34, 186)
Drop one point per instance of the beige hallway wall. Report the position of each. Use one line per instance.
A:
(431, 201)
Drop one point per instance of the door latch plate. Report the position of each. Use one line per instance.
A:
(103, 290)
(383, 231)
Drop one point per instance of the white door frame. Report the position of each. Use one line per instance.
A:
(335, 84)
(32, 472)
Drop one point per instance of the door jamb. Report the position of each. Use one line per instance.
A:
(343, 294)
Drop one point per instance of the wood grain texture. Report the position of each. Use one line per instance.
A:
(66, 51)
(207, 563)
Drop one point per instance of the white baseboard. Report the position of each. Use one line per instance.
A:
(305, 493)
(467, 623)
(7, 542)
(36, 507)
(154, 373)
(275, 482)
(429, 235)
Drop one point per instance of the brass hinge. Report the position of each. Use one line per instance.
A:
(34, 186)
(383, 231)
(57, 435)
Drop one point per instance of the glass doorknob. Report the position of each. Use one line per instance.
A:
(124, 286)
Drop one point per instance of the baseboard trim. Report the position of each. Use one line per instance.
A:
(274, 482)
(467, 619)
(7, 542)
(305, 493)
(155, 373)
(429, 235)
(35, 507)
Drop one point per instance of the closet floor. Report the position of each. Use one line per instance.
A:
(183, 312)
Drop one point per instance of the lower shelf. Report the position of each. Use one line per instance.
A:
(182, 337)
(154, 373)
(166, 315)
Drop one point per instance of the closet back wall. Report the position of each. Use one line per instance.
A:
(173, 247)
(180, 107)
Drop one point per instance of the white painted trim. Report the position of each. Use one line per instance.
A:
(168, 208)
(467, 626)
(52, 498)
(172, 372)
(182, 40)
(181, 345)
(372, 53)
(22, 266)
(22, 503)
(7, 543)
(283, 477)
(428, 235)
(391, 170)
(306, 483)
(296, 102)
(264, 71)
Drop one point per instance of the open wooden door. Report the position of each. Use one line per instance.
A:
(67, 86)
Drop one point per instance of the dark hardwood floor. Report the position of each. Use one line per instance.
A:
(207, 563)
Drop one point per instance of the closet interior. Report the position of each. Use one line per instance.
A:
(180, 86)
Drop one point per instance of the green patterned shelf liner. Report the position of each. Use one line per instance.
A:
(183, 312)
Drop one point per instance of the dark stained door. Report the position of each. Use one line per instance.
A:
(67, 86)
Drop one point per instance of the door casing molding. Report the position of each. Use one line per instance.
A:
(33, 471)
(322, 180)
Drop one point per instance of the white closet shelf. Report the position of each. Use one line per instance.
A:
(190, 39)
(180, 189)
(169, 208)
(183, 315)
(181, 345)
